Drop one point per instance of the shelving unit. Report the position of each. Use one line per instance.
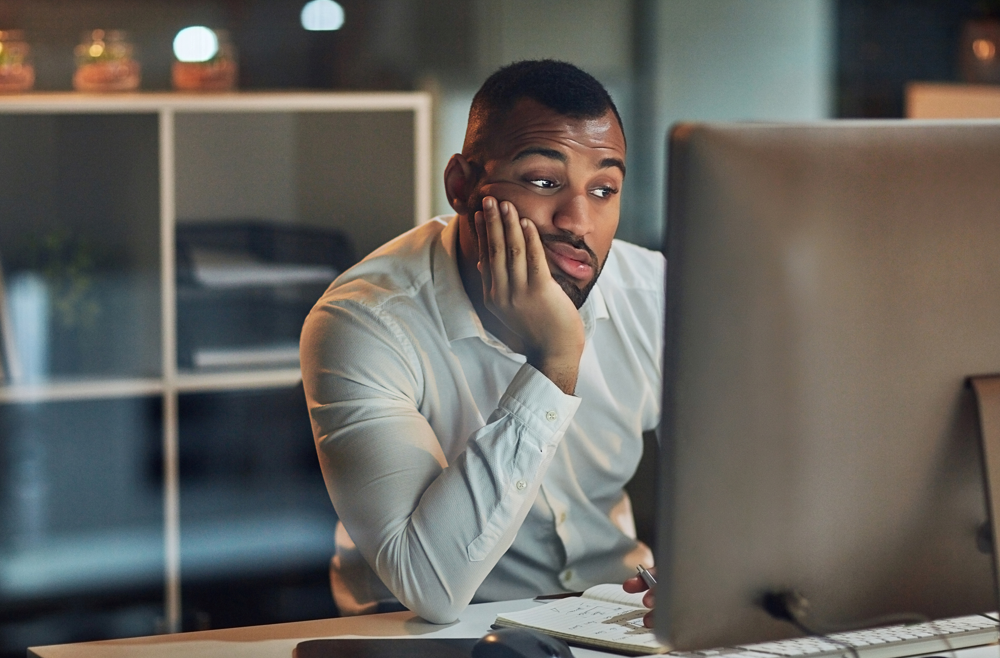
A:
(124, 171)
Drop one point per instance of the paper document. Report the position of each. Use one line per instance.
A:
(604, 616)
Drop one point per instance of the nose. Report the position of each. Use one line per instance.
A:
(574, 214)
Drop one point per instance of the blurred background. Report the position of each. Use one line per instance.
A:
(662, 60)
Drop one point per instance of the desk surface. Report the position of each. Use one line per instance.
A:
(277, 641)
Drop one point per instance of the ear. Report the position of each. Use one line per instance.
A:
(458, 183)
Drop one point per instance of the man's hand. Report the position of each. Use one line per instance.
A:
(636, 584)
(519, 290)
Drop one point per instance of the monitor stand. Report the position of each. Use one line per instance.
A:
(987, 392)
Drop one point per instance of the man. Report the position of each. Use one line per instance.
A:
(478, 387)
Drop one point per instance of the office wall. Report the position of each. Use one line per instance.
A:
(596, 35)
(721, 60)
(663, 61)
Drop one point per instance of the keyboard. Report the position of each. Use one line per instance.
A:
(885, 642)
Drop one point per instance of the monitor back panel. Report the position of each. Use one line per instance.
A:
(830, 287)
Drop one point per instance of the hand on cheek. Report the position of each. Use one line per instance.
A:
(519, 290)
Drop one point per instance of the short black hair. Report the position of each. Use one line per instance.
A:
(559, 86)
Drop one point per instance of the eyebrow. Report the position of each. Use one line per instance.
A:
(612, 162)
(556, 155)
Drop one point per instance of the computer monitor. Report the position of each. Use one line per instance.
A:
(830, 287)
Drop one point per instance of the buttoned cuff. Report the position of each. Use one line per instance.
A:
(540, 405)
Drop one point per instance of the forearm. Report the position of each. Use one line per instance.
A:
(561, 371)
(433, 531)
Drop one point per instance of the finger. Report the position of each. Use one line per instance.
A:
(649, 599)
(484, 255)
(537, 264)
(517, 264)
(634, 584)
(497, 248)
(647, 619)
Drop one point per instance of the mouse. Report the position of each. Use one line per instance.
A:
(520, 643)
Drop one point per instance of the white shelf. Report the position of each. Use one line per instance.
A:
(193, 382)
(187, 381)
(74, 103)
(80, 389)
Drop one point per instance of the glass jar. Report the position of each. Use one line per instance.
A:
(104, 62)
(217, 72)
(16, 71)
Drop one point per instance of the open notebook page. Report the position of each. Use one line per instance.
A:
(589, 621)
(614, 594)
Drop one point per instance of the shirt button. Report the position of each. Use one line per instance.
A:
(562, 517)
(521, 485)
(551, 416)
(566, 576)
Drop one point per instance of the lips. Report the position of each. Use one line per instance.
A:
(574, 262)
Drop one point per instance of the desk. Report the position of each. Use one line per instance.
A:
(278, 640)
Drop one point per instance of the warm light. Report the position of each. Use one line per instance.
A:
(322, 16)
(984, 49)
(195, 44)
(96, 50)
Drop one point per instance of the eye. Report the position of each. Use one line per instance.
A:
(544, 183)
(604, 192)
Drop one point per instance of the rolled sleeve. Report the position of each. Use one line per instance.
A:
(512, 452)
(541, 405)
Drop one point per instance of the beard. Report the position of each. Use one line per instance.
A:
(569, 285)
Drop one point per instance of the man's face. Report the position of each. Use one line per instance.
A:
(565, 175)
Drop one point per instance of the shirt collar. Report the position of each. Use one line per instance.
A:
(593, 309)
(457, 313)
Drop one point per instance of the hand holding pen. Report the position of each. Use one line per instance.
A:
(643, 582)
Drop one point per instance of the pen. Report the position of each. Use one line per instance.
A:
(646, 576)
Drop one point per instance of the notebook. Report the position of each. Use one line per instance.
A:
(603, 617)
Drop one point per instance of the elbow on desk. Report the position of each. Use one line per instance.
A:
(435, 602)
(437, 607)
(420, 584)
(438, 615)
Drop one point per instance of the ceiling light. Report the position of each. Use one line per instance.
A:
(195, 44)
(322, 16)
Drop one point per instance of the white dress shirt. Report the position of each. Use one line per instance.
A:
(460, 473)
